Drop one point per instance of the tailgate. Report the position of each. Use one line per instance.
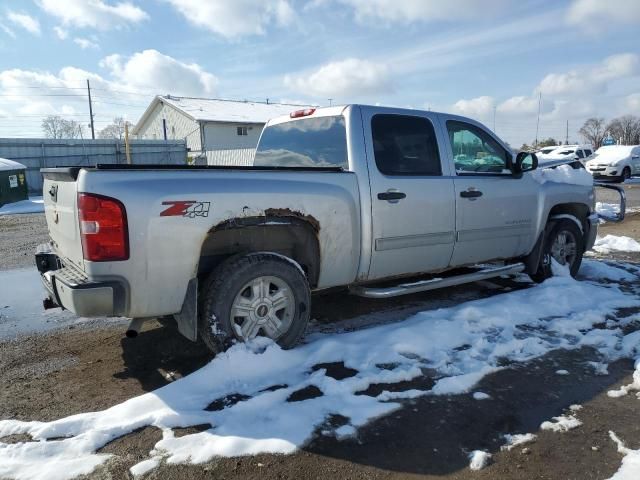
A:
(60, 208)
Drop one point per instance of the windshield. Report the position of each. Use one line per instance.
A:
(307, 143)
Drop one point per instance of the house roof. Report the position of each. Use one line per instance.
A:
(6, 164)
(217, 110)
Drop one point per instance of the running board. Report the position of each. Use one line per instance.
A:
(434, 283)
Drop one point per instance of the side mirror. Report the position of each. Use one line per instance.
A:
(525, 162)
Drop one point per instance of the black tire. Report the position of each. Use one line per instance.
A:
(626, 175)
(221, 289)
(558, 227)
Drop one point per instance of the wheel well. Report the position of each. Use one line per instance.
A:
(289, 236)
(578, 210)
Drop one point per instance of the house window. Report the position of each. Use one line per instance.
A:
(242, 131)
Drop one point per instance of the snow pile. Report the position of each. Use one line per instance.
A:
(33, 205)
(479, 459)
(614, 243)
(517, 439)
(563, 423)
(563, 174)
(630, 469)
(517, 326)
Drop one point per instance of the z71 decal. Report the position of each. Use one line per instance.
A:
(186, 208)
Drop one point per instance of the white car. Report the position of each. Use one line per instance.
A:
(619, 162)
(565, 152)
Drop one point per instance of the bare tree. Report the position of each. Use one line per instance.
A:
(548, 142)
(593, 131)
(114, 130)
(55, 126)
(625, 129)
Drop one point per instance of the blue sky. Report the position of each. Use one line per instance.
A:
(477, 58)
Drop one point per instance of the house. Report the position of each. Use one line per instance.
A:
(225, 132)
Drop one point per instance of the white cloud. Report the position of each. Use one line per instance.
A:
(407, 11)
(24, 21)
(519, 105)
(590, 80)
(598, 14)
(480, 107)
(61, 33)
(346, 78)
(98, 14)
(85, 43)
(235, 18)
(164, 73)
(7, 30)
(632, 102)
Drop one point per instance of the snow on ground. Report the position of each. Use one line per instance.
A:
(517, 439)
(516, 326)
(479, 459)
(630, 469)
(563, 423)
(33, 205)
(21, 310)
(614, 243)
(606, 270)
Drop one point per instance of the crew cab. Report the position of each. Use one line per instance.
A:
(382, 201)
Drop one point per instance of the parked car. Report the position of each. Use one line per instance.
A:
(577, 152)
(618, 162)
(546, 150)
(337, 197)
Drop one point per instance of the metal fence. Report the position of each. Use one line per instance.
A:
(36, 153)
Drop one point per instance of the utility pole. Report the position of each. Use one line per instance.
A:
(127, 147)
(93, 133)
(330, 101)
(566, 139)
(538, 121)
(494, 119)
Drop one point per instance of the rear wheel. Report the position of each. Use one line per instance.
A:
(565, 244)
(259, 294)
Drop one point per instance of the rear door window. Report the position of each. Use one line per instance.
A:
(405, 145)
(306, 143)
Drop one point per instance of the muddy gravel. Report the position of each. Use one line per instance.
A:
(19, 237)
(88, 368)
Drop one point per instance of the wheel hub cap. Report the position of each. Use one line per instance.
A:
(263, 306)
(565, 248)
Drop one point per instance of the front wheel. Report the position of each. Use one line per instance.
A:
(564, 244)
(626, 175)
(259, 294)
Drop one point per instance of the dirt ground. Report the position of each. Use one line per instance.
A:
(82, 369)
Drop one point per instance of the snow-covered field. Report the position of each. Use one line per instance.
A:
(33, 205)
(276, 400)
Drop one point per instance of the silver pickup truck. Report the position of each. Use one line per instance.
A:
(381, 201)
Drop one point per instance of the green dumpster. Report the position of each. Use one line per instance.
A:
(13, 182)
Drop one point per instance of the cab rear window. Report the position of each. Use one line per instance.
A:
(308, 143)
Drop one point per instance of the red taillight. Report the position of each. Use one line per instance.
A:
(103, 228)
(302, 113)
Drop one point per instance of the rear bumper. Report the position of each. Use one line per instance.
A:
(69, 288)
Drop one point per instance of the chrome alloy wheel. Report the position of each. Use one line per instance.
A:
(565, 248)
(264, 304)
